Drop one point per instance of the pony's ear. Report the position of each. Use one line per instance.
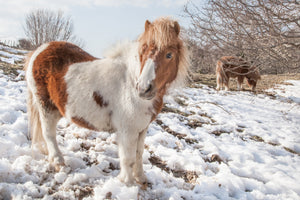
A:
(177, 27)
(147, 25)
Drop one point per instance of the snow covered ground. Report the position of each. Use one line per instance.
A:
(204, 145)
(11, 55)
(9, 40)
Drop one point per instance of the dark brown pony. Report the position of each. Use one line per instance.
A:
(235, 67)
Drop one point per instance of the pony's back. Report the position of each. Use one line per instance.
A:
(45, 68)
(235, 67)
(48, 69)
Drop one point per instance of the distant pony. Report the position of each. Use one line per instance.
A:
(230, 66)
(121, 93)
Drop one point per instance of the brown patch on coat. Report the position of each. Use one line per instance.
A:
(235, 67)
(49, 69)
(83, 123)
(158, 104)
(99, 100)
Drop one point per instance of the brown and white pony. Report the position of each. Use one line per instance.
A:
(231, 66)
(123, 92)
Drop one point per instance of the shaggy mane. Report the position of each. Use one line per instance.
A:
(118, 50)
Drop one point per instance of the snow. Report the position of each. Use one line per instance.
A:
(290, 92)
(204, 145)
(11, 55)
(9, 40)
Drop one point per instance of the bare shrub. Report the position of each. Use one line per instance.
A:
(25, 44)
(265, 33)
(44, 25)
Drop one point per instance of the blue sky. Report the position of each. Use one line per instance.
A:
(99, 23)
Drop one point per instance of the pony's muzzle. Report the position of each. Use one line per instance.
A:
(147, 92)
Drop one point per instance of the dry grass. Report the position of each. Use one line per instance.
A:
(10, 69)
(266, 82)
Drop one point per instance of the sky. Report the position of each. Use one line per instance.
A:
(99, 23)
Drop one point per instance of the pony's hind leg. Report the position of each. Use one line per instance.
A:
(138, 170)
(49, 121)
(219, 82)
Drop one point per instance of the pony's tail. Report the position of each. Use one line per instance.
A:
(35, 128)
(34, 121)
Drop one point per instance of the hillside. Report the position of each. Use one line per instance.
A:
(11, 59)
(11, 55)
(204, 145)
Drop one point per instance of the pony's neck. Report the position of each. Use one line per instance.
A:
(133, 62)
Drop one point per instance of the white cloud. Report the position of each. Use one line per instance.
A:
(136, 3)
(15, 8)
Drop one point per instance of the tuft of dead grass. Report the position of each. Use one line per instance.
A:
(10, 69)
(187, 176)
(266, 82)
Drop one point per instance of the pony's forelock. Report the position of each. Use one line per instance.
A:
(162, 32)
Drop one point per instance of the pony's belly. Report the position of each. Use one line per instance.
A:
(232, 75)
(90, 117)
(103, 122)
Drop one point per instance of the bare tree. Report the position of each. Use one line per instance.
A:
(264, 32)
(44, 26)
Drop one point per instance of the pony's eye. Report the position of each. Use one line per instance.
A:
(169, 55)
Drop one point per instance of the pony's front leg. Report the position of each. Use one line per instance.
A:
(127, 142)
(226, 83)
(138, 170)
(240, 81)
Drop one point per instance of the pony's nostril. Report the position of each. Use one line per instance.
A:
(149, 88)
(148, 93)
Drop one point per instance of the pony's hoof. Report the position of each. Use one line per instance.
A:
(143, 185)
(141, 179)
(126, 180)
(58, 166)
(57, 162)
